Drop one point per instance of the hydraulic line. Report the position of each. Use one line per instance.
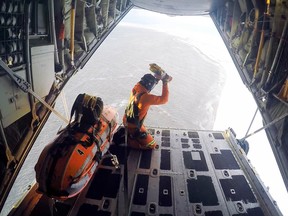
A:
(72, 31)
(279, 51)
(52, 29)
(262, 37)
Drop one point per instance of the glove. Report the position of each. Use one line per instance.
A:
(166, 78)
(159, 73)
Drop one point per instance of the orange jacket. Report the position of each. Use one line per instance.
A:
(148, 99)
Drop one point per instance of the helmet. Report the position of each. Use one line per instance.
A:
(148, 81)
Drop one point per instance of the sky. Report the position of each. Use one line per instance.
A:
(237, 106)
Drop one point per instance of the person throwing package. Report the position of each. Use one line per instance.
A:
(139, 102)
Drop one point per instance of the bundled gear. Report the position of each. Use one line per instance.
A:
(157, 70)
(87, 109)
(66, 165)
(166, 78)
(159, 73)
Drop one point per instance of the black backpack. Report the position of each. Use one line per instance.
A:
(87, 109)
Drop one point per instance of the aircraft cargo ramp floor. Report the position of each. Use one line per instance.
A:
(191, 173)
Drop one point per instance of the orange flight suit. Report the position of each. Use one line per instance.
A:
(146, 99)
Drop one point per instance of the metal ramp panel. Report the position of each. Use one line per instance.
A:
(191, 173)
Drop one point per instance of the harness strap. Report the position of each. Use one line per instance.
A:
(77, 107)
(132, 111)
(92, 103)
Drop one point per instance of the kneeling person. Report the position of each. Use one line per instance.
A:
(139, 102)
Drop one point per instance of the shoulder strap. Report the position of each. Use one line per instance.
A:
(138, 96)
(77, 107)
(89, 106)
(132, 111)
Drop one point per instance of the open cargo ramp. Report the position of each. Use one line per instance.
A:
(191, 173)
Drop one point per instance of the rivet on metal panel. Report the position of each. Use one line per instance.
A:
(191, 173)
(165, 192)
(152, 208)
(240, 207)
(198, 209)
(106, 204)
(232, 191)
(141, 190)
(155, 172)
(11, 100)
(226, 173)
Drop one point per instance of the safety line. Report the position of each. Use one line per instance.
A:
(26, 87)
(265, 126)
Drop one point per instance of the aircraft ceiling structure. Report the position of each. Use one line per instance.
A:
(255, 34)
(180, 7)
(59, 41)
